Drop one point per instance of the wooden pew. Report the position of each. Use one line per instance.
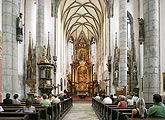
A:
(43, 111)
(23, 116)
(115, 112)
(13, 118)
(55, 112)
(149, 119)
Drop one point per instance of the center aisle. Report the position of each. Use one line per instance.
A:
(81, 111)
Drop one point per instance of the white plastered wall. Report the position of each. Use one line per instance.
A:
(114, 28)
(30, 26)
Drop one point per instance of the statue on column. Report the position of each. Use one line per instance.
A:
(134, 70)
(19, 28)
(141, 30)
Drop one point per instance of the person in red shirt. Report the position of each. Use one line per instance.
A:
(122, 102)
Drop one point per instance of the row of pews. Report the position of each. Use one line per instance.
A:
(55, 112)
(112, 112)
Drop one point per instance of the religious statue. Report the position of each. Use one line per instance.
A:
(141, 30)
(82, 55)
(117, 54)
(19, 25)
(134, 71)
(43, 58)
(82, 74)
(19, 28)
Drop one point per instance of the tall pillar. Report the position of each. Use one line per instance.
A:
(123, 43)
(10, 47)
(39, 32)
(55, 37)
(40, 26)
(151, 81)
(0, 51)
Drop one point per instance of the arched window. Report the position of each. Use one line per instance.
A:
(129, 29)
(70, 51)
(93, 53)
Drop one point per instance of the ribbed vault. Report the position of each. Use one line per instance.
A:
(83, 16)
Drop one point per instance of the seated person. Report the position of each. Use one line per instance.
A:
(55, 99)
(35, 100)
(107, 100)
(129, 100)
(16, 100)
(112, 98)
(158, 109)
(50, 98)
(45, 102)
(7, 100)
(66, 94)
(122, 102)
(140, 111)
(61, 97)
(1, 109)
(135, 98)
(97, 97)
(28, 108)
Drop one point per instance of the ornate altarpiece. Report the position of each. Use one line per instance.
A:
(81, 78)
(132, 77)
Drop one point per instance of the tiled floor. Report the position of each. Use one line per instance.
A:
(81, 111)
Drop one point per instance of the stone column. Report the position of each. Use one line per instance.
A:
(39, 32)
(123, 43)
(151, 81)
(0, 51)
(40, 27)
(10, 47)
(55, 37)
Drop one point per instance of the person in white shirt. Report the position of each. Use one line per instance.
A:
(135, 98)
(55, 99)
(129, 100)
(107, 100)
(97, 97)
(1, 109)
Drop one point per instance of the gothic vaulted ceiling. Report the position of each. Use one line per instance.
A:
(83, 16)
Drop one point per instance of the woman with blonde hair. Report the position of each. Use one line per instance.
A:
(140, 111)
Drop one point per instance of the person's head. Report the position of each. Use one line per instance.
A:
(122, 98)
(140, 103)
(129, 97)
(65, 91)
(50, 95)
(45, 96)
(157, 98)
(111, 96)
(28, 102)
(15, 96)
(55, 95)
(7, 95)
(61, 93)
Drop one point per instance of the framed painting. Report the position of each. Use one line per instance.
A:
(163, 77)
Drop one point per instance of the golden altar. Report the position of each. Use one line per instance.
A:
(81, 78)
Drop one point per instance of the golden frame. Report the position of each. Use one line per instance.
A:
(163, 77)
